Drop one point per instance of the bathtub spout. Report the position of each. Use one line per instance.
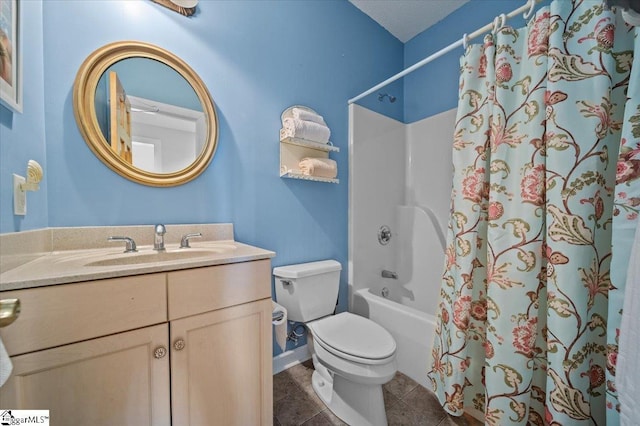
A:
(389, 274)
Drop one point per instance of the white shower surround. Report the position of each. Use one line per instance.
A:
(400, 176)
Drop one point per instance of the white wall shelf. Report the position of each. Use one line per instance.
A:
(310, 144)
(292, 150)
(293, 175)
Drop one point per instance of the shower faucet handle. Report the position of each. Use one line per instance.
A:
(384, 235)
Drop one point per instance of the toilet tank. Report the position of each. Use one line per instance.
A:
(308, 291)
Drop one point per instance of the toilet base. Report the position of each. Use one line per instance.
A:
(354, 403)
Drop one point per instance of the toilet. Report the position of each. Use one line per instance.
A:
(352, 355)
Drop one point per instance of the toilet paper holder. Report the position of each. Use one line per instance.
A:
(277, 315)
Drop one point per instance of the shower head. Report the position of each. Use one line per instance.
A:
(381, 97)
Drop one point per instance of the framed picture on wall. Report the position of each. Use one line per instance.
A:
(10, 55)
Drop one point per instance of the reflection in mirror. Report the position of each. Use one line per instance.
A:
(165, 138)
(150, 115)
(145, 113)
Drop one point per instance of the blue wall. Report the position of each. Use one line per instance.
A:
(434, 88)
(256, 58)
(22, 136)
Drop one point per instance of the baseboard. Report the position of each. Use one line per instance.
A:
(476, 415)
(290, 358)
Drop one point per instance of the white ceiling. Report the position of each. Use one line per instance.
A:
(407, 18)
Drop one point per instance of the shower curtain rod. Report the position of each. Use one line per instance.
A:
(529, 6)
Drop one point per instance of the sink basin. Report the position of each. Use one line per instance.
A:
(164, 256)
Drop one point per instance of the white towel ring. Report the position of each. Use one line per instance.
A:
(532, 5)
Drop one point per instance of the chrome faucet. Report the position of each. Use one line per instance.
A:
(158, 243)
(130, 244)
(389, 274)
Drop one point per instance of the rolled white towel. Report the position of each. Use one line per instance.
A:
(302, 114)
(306, 130)
(320, 167)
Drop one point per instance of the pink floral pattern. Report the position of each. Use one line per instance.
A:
(596, 376)
(532, 186)
(524, 337)
(626, 171)
(538, 40)
(479, 309)
(496, 210)
(474, 186)
(605, 36)
(461, 312)
(504, 73)
(526, 332)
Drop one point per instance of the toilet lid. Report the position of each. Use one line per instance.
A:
(354, 335)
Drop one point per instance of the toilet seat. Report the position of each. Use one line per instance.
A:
(354, 338)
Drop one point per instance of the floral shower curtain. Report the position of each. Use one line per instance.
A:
(522, 326)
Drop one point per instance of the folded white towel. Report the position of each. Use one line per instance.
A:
(320, 167)
(308, 130)
(5, 364)
(627, 372)
(305, 115)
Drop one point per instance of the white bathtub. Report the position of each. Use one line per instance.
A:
(408, 309)
(413, 331)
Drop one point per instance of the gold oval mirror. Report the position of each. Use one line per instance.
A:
(145, 113)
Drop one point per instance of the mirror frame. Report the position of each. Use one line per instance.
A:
(84, 93)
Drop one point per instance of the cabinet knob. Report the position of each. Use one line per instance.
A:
(9, 311)
(178, 345)
(159, 352)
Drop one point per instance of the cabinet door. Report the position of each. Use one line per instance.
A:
(113, 380)
(222, 373)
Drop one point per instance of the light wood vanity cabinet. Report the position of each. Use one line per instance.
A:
(222, 376)
(92, 353)
(112, 380)
(221, 367)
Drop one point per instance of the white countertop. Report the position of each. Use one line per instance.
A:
(69, 255)
(70, 266)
